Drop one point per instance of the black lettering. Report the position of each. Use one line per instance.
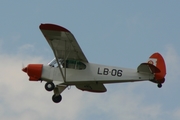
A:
(119, 73)
(113, 72)
(99, 72)
(106, 71)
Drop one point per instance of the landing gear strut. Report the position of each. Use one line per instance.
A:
(49, 86)
(56, 98)
(159, 85)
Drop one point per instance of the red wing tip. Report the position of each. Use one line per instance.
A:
(49, 26)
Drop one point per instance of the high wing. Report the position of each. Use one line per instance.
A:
(62, 42)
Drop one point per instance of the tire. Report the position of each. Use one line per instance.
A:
(49, 86)
(56, 98)
(159, 85)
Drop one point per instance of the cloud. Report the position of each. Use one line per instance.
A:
(25, 47)
(172, 60)
(119, 104)
(176, 114)
(21, 99)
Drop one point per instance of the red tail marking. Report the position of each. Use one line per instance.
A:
(160, 63)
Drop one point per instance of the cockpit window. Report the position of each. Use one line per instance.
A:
(75, 64)
(80, 66)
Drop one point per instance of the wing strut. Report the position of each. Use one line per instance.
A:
(66, 56)
(63, 76)
(65, 59)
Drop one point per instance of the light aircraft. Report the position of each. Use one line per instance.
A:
(70, 67)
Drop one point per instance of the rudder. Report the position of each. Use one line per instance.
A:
(157, 60)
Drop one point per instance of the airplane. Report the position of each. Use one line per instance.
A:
(70, 67)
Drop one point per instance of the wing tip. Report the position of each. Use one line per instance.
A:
(49, 26)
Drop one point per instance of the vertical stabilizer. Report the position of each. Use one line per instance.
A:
(157, 60)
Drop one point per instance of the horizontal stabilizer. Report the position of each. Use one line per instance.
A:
(147, 68)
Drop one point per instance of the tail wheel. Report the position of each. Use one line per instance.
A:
(49, 86)
(159, 85)
(56, 98)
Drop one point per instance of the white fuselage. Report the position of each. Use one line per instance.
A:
(94, 73)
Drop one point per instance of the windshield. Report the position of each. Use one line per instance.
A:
(74, 64)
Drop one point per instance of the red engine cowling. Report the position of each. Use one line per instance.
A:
(34, 71)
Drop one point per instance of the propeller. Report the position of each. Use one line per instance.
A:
(24, 68)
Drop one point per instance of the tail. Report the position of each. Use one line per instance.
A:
(157, 60)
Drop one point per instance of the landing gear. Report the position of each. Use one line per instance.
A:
(49, 86)
(56, 98)
(159, 85)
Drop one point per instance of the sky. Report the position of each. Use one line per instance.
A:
(116, 33)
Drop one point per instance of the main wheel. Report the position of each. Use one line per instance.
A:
(49, 86)
(56, 98)
(159, 85)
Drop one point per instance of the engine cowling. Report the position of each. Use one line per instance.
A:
(34, 71)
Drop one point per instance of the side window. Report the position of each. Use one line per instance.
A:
(70, 64)
(80, 66)
(74, 64)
